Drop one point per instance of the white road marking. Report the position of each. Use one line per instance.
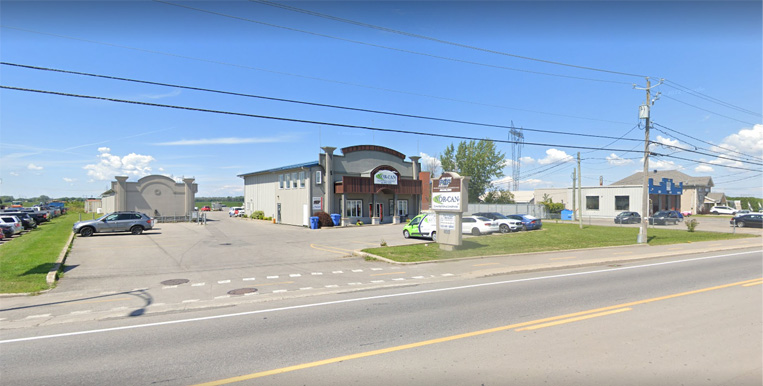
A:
(157, 304)
(306, 288)
(448, 274)
(223, 281)
(190, 301)
(332, 286)
(248, 279)
(119, 309)
(377, 281)
(398, 278)
(250, 293)
(377, 269)
(222, 297)
(169, 286)
(273, 277)
(418, 277)
(80, 312)
(279, 291)
(197, 284)
(337, 271)
(37, 316)
(295, 275)
(357, 270)
(355, 283)
(362, 299)
(317, 273)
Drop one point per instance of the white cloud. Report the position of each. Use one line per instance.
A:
(160, 96)
(655, 164)
(704, 169)
(554, 155)
(526, 161)
(222, 141)
(69, 180)
(15, 174)
(670, 143)
(748, 141)
(131, 165)
(34, 167)
(428, 162)
(614, 159)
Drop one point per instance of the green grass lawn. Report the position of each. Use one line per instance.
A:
(26, 260)
(552, 237)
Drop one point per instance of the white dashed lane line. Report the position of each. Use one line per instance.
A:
(248, 279)
(197, 284)
(191, 300)
(38, 316)
(272, 277)
(223, 281)
(295, 275)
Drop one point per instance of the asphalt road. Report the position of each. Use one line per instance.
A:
(666, 321)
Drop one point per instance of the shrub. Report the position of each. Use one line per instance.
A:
(359, 222)
(258, 214)
(383, 243)
(691, 224)
(324, 220)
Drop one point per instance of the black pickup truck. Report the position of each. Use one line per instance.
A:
(38, 216)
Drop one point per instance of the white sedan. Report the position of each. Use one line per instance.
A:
(476, 225)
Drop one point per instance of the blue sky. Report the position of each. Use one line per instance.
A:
(499, 71)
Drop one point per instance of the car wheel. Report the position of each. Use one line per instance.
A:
(714, 213)
(406, 234)
(475, 232)
(524, 227)
(505, 228)
(434, 236)
(136, 230)
(740, 224)
(86, 232)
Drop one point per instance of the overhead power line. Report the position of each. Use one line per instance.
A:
(705, 163)
(305, 121)
(311, 77)
(706, 110)
(706, 142)
(679, 148)
(361, 24)
(385, 47)
(311, 103)
(700, 95)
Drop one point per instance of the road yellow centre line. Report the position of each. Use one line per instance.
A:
(539, 323)
(388, 273)
(752, 284)
(327, 248)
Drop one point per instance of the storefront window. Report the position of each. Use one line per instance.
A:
(280, 181)
(286, 180)
(622, 202)
(301, 179)
(294, 180)
(402, 207)
(592, 202)
(354, 208)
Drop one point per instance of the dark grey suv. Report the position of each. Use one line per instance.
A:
(133, 222)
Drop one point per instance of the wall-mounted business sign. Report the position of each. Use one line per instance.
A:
(385, 177)
(666, 186)
(317, 203)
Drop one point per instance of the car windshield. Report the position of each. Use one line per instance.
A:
(662, 213)
(498, 215)
(485, 219)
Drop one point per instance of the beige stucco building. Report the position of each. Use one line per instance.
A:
(155, 195)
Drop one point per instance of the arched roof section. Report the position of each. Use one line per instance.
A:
(382, 149)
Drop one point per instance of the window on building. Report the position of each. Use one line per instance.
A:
(294, 181)
(287, 182)
(280, 181)
(354, 208)
(318, 177)
(592, 202)
(402, 207)
(622, 202)
(301, 179)
(391, 207)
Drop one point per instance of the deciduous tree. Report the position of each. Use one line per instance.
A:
(479, 160)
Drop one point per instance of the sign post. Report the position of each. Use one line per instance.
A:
(450, 197)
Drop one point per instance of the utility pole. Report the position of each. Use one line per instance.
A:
(580, 191)
(574, 210)
(645, 113)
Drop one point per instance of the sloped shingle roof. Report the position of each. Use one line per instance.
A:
(675, 175)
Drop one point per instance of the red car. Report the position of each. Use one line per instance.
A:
(205, 209)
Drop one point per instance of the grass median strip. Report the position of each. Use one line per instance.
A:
(553, 237)
(26, 260)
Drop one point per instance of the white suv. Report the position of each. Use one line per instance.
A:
(723, 210)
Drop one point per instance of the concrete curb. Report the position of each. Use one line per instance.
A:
(561, 265)
(51, 278)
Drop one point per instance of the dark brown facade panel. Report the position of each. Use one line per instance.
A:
(373, 148)
(366, 185)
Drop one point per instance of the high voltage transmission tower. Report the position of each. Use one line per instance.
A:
(517, 139)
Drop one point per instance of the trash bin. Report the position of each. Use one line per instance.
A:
(314, 222)
(566, 214)
(336, 218)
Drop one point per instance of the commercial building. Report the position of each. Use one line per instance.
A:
(668, 190)
(367, 183)
(155, 195)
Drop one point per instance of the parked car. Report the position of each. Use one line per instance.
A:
(423, 225)
(628, 218)
(236, 211)
(39, 217)
(748, 220)
(745, 211)
(505, 224)
(205, 209)
(666, 217)
(528, 222)
(719, 209)
(7, 232)
(26, 220)
(11, 222)
(477, 225)
(127, 221)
